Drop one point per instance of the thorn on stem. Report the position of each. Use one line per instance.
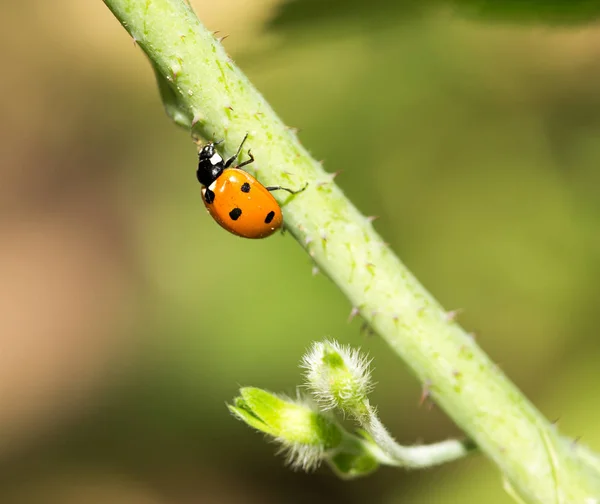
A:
(425, 393)
(451, 315)
(307, 241)
(353, 313)
(330, 176)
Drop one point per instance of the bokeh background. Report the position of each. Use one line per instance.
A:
(119, 340)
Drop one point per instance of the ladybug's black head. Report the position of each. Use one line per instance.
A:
(210, 165)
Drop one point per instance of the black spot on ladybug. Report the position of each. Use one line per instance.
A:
(235, 213)
(209, 196)
(269, 217)
(245, 187)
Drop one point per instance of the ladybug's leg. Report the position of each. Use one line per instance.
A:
(251, 160)
(279, 188)
(232, 159)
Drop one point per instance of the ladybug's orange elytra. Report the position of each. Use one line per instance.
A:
(242, 205)
(234, 198)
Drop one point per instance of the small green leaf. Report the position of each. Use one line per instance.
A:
(351, 465)
(288, 420)
(307, 435)
(250, 419)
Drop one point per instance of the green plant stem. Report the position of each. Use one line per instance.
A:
(215, 94)
(412, 457)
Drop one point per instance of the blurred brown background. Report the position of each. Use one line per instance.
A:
(118, 346)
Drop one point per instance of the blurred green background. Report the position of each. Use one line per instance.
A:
(119, 342)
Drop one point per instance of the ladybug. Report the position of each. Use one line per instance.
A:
(234, 198)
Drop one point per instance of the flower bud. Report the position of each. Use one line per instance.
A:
(339, 377)
(306, 435)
